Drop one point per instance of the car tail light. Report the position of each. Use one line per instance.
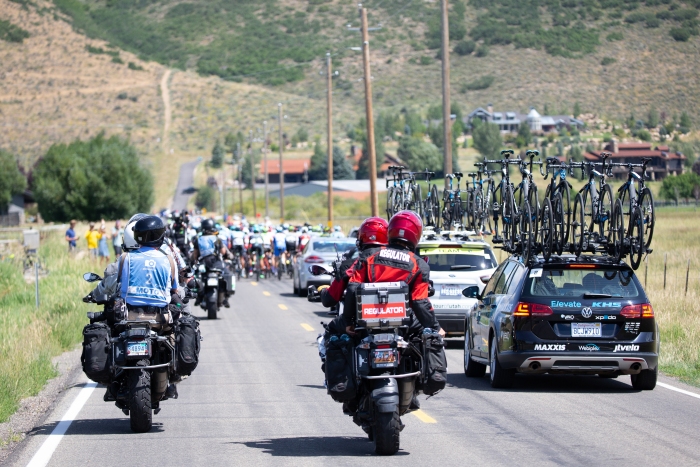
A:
(523, 309)
(582, 266)
(638, 311)
(314, 259)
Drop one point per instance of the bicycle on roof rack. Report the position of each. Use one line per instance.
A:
(452, 211)
(528, 209)
(559, 196)
(429, 208)
(639, 195)
(484, 192)
(504, 203)
(402, 195)
(592, 209)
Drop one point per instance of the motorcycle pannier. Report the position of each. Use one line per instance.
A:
(435, 368)
(382, 305)
(340, 376)
(97, 352)
(187, 345)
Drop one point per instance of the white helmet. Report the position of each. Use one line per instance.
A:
(128, 241)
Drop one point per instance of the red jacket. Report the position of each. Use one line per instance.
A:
(393, 265)
(334, 293)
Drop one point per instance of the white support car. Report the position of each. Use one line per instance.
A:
(456, 264)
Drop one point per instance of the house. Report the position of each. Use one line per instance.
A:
(664, 162)
(509, 122)
(295, 170)
(13, 214)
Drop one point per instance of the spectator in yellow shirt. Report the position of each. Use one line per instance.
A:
(93, 238)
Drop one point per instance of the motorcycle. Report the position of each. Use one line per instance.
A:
(139, 357)
(386, 363)
(215, 283)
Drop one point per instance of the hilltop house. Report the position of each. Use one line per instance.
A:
(664, 162)
(509, 122)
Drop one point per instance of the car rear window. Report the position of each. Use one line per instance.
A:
(458, 259)
(325, 246)
(570, 282)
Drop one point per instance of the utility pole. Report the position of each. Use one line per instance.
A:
(252, 177)
(329, 101)
(446, 110)
(240, 178)
(279, 118)
(223, 191)
(267, 192)
(370, 118)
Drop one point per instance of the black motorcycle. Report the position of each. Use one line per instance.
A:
(134, 352)
(215, 283)
(377, 373)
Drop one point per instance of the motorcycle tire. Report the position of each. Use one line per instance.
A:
(212, 306)
(140, 413)
(387, 428)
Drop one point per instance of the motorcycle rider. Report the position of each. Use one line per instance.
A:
(178, 232)
(208, 250)
(397, 262)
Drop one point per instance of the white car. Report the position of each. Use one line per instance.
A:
(454, 266)
(319, 250)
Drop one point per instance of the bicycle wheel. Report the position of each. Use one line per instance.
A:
(456, 214)
(468, 209)
(624, 197)
(477, 212)
(558, 224)
(618, 232)
(486, 209)
(417, 201)
(547, 231)
(534, 203)
(578, 226)
(636, 237)
(604, 218)
(435, 205)
(526, 233)
(646, 204)
(408, 198)
(565, 192)
(510, 220)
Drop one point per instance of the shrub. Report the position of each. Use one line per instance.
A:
(12, 181)
(615, 36)
(478, 84)
(11, 33)
(482, 51)
(206, 198)
(133, 66)
(122, 96)
(680, 34)
(608, 61)
(117, 59)
(653, 22)
(465, 47)
(644, 135)
(217, 155)
(425, 60)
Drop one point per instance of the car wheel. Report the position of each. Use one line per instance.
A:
(472, 369)
(645, 380)
(296, 290)
(303, 291)
(500, 377)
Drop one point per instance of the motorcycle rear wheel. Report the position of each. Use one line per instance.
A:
(212, 306)
(387, 428)
(140, 413)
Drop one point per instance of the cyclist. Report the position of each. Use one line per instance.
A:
(238, 244)
(255, 249)
(291, 241)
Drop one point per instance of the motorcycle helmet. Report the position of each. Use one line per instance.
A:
(176, 216)
(406, 228)
(208, 227)
(373, 231)
(129, 243)
(149, 231)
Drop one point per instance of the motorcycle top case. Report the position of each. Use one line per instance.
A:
(382, 304)
(97, 352)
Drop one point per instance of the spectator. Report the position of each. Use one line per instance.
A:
(102, 248)
(71, 237)
(93, 237)
(117, 232)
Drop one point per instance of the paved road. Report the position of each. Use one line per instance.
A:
(185, 187)
(257, 399)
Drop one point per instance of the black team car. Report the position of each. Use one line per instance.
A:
(573, 315)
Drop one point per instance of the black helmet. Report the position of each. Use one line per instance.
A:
(208, 226)
(176, 216)
(150, 231)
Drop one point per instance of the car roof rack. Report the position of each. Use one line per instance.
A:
(567, 258)
(430, 233)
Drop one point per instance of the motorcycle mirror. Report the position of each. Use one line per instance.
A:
(471, 292)
(318, 270)
(91, 277)
(192, 285)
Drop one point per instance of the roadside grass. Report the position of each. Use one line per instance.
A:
(30, 337)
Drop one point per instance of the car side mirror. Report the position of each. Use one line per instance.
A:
(471, 292)
(91, 277)
(485, 279)
(431, 288)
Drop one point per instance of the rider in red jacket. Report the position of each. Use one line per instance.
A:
(397, 262)
(372, 237)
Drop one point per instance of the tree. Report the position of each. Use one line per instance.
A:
(653, 118)
(205, 198)
(12, 182)
(679, 186)
(696, 167)
(435, 112)
(91, 180)
(302, 135)
(577, 109)
(524, 137)
(685, 123)
(487, 140)
(231, 141)
(217, 155)
(253, 157)
(419, 155)
(575, 154)
(465, 47)
(318, 170)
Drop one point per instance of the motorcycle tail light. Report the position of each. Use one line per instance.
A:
(314, 259)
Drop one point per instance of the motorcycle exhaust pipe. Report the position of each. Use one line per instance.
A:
(535, 366)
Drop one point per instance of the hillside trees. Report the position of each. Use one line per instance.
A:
(487, 139)
(90, 180)
(12, 181)
(318, 166)
(217, 155)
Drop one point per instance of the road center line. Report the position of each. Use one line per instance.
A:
(682, 391)
(43, 455)
(307, 327)
(423, 417)
(253, 283)
(282, 307)
(266, 293)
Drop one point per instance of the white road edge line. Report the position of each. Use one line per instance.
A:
(682, 391)
(43, 455)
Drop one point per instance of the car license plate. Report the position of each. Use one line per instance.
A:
(212, 282)
(451, 291)
(586, 330)
(137, 349)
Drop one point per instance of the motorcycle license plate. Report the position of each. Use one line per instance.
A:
(384, 358)
(586, 329)
(137, 349)
(213, 282)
